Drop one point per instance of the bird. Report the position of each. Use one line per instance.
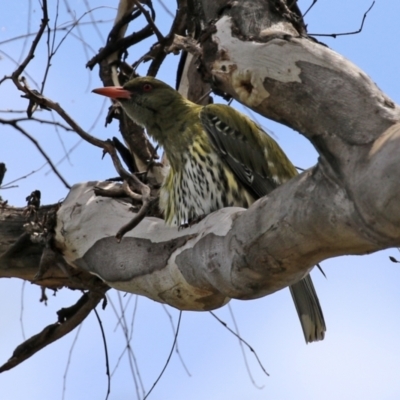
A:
(218, 158)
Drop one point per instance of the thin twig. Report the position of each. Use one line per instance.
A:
(107, 146)
(41, 121)
(53, 332)
(132, 358)
(67, 26)
(119, 323)
(7, 185)
(76, 23)
(146, 202)
(335, 35)
(178, 27)
(36, 40)
(79, 142)
(150, 20)
(69, 360)
(25, 44)
(50, 48)
(105, 353)
(120, 44)
(169, 357)
(242, 340)
(94, 22)
(242, 349)
(37, 145)
(124, 327)
(174, 332)
(66, 156)
(7, 77)
(166, 9)
(21, 315)
(130, 193)
(309, 8)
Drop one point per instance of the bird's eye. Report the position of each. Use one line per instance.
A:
(147, 87)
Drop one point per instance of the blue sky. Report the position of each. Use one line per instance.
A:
(358, 358)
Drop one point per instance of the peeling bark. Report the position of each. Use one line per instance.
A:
(20, 255)
(232, 253)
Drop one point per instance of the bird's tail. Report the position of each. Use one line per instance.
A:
(309, 310)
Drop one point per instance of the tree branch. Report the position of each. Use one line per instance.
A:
(69, 319)
(230, 254)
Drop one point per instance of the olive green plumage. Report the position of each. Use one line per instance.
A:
(218, 158)
(227, 159)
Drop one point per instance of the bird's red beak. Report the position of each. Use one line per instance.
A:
(114, 92)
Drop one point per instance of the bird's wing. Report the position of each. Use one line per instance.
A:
(260, 165)
(252, 155)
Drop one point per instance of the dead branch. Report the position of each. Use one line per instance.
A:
(68, 320)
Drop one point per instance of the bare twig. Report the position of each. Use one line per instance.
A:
(128, 337)
(9, 111)
(69, 319)
(7, 77)
(62, 27)
(169, 357)
(37, 145)
(69, 360)
(75, 24)
(94, 22)
(178, 27)
(140, 215)
(21, 315)
(41, 121)
(122, 323)
(131, 194)
(335, 35)
(166, 9)
(242, 340)
(309, 8)
(242, 349)
(105, 353)
(150, 20)
(36, 40)
(7, 185)
(50, 48)
(115, 191)
(120, 44)
(174, 333)
(113, 36)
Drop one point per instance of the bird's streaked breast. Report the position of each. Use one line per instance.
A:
(202, 185)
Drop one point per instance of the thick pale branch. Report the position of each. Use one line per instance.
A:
(281, 72)
(232, 253)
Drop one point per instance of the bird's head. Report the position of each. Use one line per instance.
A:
(144, 99)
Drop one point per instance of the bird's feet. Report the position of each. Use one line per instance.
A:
(192, 222)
